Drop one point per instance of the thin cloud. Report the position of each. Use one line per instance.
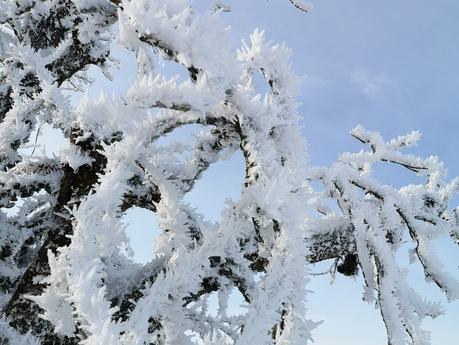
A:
(373, 85)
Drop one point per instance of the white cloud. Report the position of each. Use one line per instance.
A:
(373, 85)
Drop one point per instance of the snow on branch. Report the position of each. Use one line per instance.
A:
(382, 217)
(65, 276)
(301, 5)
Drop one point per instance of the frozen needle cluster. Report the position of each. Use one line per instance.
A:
(64, 277)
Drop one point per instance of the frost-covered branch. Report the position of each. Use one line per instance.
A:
(64, 275)
(383, 217)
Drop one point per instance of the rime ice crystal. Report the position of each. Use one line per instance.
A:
(64, 277)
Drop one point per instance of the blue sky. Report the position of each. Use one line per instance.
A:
(391, 66)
